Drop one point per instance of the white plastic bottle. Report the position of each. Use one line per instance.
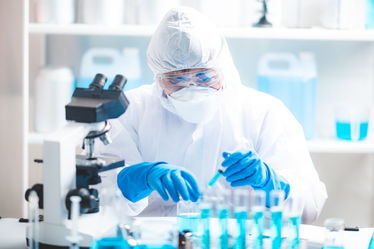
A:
(53, 90)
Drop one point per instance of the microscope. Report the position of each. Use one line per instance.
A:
(66, 173)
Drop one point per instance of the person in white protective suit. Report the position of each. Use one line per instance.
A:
(196, 118)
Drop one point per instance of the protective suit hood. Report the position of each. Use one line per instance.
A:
(186, 39)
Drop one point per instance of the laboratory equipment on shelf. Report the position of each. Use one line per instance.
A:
(276, 218)
(263, 22)
(293, 80)
(334, 234)
(109, 61)
(109, 12)
(33, 229)
(55, 11)
(352, 123)
(66, 174)
(258, 200)
(53, 89)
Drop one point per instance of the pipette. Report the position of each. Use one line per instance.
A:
(75, 210)
(34, 220)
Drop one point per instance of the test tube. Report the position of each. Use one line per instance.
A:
(33, 220)
(241, 201)
(75, 211)
(205, 214)
(276, 218)
(258, 200)
(223, 216)
(294, 208)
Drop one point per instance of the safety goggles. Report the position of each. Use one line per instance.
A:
(193, 77)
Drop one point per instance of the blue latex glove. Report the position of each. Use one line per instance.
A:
(140, 180)
(249, 170)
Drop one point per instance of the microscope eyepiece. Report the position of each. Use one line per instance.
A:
(118, 83)
(98, 82)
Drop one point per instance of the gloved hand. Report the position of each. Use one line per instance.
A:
(139, 181)
(247, 169)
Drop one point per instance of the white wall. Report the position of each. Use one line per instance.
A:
(11, 108)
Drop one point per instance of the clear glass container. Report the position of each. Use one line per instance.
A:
(334, 238)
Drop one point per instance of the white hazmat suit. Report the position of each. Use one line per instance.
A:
(148, 132)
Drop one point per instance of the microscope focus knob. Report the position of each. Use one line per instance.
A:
(89, 202)
(38, 188)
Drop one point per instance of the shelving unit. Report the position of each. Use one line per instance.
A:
(317, 34)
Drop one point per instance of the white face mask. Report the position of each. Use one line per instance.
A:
(193, 104)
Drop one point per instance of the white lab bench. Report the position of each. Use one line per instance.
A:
(12, 234)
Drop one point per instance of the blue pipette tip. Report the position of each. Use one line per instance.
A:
(215, 178)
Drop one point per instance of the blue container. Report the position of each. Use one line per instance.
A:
(294, 82)
(110, 62)
(369, 17)
(343, 130)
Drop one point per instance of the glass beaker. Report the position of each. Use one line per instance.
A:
(155, 234)
(352, 123)
(334, 234)
(188, 216)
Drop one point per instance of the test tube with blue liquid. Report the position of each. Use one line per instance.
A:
(205, 214)
(241, 202)
(223, 211)
(276, 218)
(294, 209)
(258, 200)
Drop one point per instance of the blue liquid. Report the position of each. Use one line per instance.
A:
(294, 232)
(223, 215)
(214, 178)
(188, 222)
(332, 247)
(154, 246)
(205, 215)
(241, 218)
(276, 229)
(258, 229)
(110, 243)
(343, 130)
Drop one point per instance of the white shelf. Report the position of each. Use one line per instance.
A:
(336, 146)
(36, 138)
(234, 32)
(314, 146)
(86, 29)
